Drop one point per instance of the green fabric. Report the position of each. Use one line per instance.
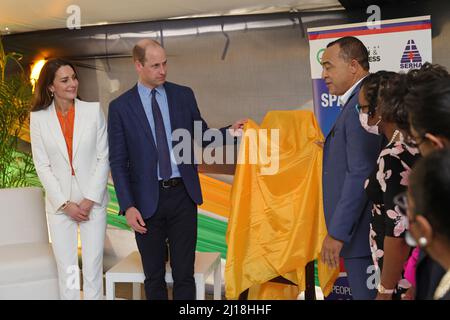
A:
(211, 235)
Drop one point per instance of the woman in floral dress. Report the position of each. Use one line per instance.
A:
(381, 110)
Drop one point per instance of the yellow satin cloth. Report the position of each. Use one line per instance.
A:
(276, 225)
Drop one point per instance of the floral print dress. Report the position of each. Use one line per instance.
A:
(389, 179)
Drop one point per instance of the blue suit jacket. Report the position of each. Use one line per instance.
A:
(132, 151)
(350, 155)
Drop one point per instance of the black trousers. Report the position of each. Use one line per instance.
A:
(176, 220)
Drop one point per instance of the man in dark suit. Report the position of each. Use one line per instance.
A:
(158, 194)
(350, 154)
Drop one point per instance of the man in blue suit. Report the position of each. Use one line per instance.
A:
(158, 194)
(349, 156)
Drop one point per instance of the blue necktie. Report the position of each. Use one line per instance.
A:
(165, 169)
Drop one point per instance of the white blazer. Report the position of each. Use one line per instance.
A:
(90, 154)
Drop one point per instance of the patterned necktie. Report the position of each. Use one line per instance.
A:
(165, 169)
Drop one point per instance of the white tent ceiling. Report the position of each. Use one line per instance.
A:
(26, 15)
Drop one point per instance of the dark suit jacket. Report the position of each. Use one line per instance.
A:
(428, 275)
(349, 156)
(132, 151)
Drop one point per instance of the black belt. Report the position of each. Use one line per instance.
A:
(166, 184)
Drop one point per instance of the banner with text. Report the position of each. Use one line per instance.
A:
(394, 45)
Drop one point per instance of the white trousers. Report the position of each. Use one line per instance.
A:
(64, 235)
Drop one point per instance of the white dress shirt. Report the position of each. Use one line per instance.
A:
(344, 98)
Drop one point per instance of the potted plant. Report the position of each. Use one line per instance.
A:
(16, 166)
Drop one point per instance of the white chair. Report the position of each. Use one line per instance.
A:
(27, 265)
(130, 270)
(119, 244)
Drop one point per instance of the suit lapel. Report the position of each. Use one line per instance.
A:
(56, 132)
(137, 108)
(343, 108)
(79, 124)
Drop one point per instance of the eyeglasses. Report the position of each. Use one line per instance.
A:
(401, 200)
(363, 108)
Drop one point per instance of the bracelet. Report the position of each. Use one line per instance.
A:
(383, 290)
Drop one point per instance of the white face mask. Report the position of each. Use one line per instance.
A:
(363, 118)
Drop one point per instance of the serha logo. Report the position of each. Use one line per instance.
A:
(411, 58)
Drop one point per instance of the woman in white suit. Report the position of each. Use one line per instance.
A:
(70, 153)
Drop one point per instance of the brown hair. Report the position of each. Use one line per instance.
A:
(42, 98)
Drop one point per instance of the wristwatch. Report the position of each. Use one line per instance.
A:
(383, 290)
